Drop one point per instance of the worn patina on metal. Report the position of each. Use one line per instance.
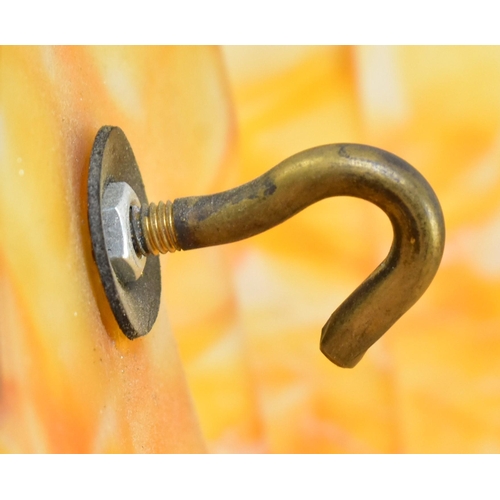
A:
(305, 178)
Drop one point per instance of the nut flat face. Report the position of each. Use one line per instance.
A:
(117, 202)
(134, 295)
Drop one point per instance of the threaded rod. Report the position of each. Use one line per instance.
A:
(155, 233)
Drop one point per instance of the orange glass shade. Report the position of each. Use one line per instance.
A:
(233, 364)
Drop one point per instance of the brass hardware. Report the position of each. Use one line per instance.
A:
(157, 225)
(305, 178)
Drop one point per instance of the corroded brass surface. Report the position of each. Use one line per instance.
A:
(305, 178)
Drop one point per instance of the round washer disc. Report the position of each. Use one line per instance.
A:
(136, 304)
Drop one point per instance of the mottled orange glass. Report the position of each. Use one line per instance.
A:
(233, 362)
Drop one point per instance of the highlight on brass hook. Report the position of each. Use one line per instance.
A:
(305, 178)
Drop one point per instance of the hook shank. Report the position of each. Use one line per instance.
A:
(307, 177)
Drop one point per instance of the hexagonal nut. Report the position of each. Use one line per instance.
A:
(117, 200)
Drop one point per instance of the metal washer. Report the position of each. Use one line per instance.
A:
(135, 305)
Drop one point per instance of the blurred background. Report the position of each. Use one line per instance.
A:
(233, 364)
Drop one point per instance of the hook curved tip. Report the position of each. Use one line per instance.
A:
(402, 278)
(342, 361)
(335, 170)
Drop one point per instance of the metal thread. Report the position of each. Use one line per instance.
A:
(158, 229)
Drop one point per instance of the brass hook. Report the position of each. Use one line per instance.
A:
(201, 221)
(305, 178)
